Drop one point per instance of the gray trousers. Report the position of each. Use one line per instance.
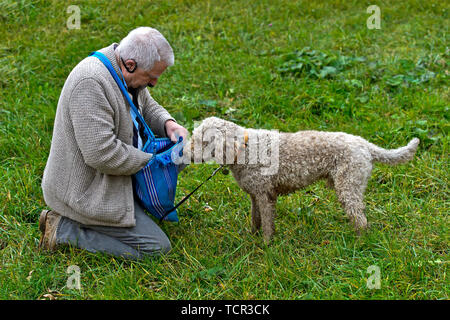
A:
(146, 238)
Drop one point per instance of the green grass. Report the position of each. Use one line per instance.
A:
(228, 57)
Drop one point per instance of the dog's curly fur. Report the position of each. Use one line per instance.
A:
(304, 157)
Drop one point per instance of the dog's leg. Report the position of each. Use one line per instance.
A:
(354, 207)
(266, 205)
(350, 187)
(256, 216)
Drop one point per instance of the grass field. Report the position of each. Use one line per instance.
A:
(286, 65)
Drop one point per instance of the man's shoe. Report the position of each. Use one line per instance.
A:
(48, 223)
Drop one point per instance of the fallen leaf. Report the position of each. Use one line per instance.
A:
(230, 110)
(49, 296)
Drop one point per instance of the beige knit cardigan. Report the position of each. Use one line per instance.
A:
(88, 173)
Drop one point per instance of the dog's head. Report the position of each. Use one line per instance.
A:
(216, 140)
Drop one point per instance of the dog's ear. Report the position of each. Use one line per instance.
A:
(212, 145)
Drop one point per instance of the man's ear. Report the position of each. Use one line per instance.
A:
(130, 65)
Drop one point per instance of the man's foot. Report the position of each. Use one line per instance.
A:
(48, 223)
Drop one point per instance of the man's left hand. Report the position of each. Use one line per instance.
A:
(174, 131)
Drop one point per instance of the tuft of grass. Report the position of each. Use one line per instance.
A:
(386, 85)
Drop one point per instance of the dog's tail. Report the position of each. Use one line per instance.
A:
(394, 156)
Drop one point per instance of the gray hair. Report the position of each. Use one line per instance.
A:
(146, 46)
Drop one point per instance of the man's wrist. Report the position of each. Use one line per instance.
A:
(165, 126)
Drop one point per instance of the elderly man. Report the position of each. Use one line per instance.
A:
(87, 180)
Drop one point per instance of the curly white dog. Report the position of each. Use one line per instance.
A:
(267, 163)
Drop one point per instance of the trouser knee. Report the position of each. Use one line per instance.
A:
(162, 246)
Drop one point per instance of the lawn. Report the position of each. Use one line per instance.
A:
(286, 65)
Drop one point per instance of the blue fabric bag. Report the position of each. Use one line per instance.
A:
(155, 184)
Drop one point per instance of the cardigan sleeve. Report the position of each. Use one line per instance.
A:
(92, 118)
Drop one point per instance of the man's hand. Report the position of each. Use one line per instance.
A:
(174, 131)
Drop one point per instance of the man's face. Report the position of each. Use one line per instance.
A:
(140, 78)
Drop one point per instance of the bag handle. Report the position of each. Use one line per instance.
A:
(122, 86)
